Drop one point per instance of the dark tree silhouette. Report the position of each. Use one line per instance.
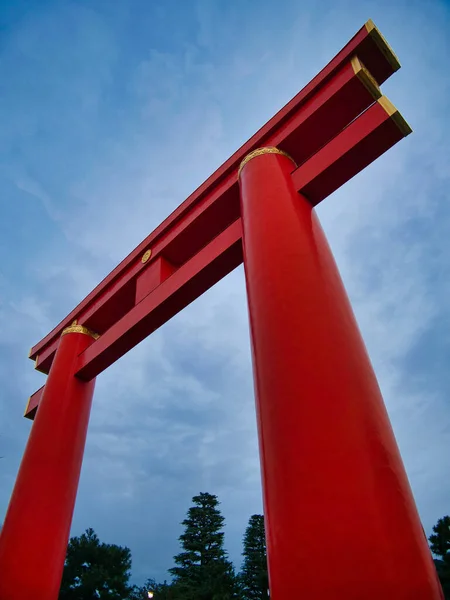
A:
(254, 576)
(95, 570)
(203, 571)
(440, 546)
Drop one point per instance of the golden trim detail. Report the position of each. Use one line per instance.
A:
(26, 407)
(395, 115)
(147, 254)
(260, 152)
(382, 44)
(75, 328)
(366, 78)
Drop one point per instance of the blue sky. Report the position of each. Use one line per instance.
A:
(111, 114)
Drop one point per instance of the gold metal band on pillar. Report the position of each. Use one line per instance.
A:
(75, 328)
(260, 152)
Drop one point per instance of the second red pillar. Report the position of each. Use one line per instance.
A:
(340, 516)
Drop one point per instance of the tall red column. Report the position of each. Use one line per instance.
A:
(33, 540)
(341, 520)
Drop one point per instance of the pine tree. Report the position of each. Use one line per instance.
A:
(440, 539)
(95, 570)
(254, 575)
(440, 546)
(203, 571)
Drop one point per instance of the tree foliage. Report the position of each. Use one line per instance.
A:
(95, 570)
(203, 571)
(254, 575)
(440, 539)
(440, 546)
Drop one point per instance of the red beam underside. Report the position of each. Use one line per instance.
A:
(189, 282)
(333, 98)
(162, 293)
(369, 136)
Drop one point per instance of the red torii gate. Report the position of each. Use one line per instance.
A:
(331, 468)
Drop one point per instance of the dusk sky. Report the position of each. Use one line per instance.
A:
(112, 112)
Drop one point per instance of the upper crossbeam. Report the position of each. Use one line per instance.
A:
(333, 128)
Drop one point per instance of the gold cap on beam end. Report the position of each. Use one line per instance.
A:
(382, 44)
(36, 368)
(366, 78)
(395, 115)
(26, 407)
(75, 328)
(260, 152)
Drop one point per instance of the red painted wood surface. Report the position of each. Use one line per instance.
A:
(35, 532)
(333, 478)
(369, 136)
(366, 138)
(149, 279)
(186, 284)
(315, 115)
(33, 403)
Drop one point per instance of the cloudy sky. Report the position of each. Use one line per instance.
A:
(112, 112)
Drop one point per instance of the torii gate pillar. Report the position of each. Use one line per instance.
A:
(335, 489)
(33, 541)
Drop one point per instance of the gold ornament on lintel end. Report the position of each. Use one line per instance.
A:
(75, 328)
(27, 406)
(260, 152)
(382, 44)
(147, 254)
(395, 115)
(366, 78)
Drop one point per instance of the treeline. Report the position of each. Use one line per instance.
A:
(202, 570)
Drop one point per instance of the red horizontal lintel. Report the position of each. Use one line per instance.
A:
(216, 198)
(364, 140)
(319, 119)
